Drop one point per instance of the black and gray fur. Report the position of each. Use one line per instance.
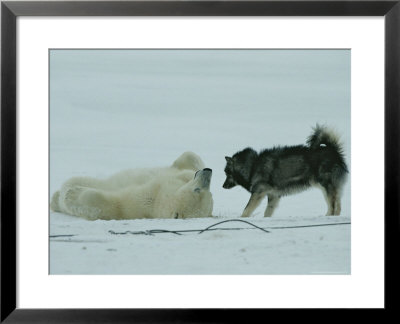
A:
(286, 170)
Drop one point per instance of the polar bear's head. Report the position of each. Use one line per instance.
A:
(194, 199)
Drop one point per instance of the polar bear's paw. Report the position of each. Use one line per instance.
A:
(54, 204)
(83, 202)
(92, 197)
(90, 213)
(95, 204)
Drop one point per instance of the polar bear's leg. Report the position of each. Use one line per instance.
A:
(54, 205)
(87, 182)
(189, 161)
(88, 203)
(103, 204)
(70, 203)
(86, 197)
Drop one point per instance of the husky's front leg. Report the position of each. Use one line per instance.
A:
(273, 202)
(253, 203)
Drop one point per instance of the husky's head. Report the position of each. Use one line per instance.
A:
(238, 168)
(229, 170)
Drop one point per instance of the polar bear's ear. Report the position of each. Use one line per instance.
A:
(228, 159)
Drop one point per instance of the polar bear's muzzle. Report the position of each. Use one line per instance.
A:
(204, 178)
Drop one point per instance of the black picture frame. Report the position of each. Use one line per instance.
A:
(10, 10)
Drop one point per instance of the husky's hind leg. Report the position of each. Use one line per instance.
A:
(327, 200)
(337, 206)
(332, 197)
(273, 202)
(336, 200)
(253, 203)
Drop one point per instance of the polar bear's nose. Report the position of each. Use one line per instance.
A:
(204, 170)
(203, 178)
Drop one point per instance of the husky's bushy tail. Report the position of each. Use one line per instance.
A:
(325, 136)
(322, 135)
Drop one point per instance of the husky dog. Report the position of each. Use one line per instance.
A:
(286, 170)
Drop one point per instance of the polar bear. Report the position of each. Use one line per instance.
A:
(179, 191)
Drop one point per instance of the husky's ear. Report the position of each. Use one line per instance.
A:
(228, 159)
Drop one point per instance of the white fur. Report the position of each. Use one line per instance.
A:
(170, 192)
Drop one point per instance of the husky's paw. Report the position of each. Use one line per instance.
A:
(268, 213)
(245, 214)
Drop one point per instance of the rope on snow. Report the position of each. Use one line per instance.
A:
(210, 228)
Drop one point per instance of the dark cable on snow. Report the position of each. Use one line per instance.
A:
(210, 228)
(66, 235)
(315, 225)
(234, 220)
(156, 231)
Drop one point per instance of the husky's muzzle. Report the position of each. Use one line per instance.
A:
(204, 178)
(229, 183)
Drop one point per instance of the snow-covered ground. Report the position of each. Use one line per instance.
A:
(112, 110)
(94, 250)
